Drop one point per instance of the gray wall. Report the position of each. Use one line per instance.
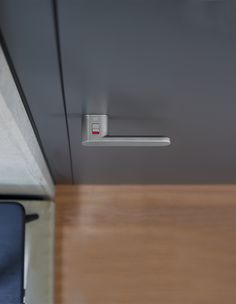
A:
(156, 67)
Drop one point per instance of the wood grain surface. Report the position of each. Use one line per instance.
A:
(146, 245)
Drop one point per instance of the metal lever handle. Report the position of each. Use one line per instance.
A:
(95, 133)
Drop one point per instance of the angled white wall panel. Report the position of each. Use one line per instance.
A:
(23, 170)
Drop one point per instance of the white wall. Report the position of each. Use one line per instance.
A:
(23, 169)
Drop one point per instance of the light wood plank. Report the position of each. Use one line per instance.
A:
(146, 244)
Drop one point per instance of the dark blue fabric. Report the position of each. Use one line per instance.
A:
(12, 234)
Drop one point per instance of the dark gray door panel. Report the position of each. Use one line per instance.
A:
(29, 33)
(179, 163)
(156, 67)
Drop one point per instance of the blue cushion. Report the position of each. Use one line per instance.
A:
(12, 235)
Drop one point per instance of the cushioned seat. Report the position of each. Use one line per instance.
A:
(12, 236)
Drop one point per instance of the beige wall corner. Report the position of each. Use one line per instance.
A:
(23, 170)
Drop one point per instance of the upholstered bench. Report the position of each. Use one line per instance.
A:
(12, 248)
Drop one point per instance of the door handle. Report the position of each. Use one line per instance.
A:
(95, 133)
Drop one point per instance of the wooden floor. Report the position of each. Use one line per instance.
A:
(146, 245)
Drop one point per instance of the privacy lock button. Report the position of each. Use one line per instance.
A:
(95, 128)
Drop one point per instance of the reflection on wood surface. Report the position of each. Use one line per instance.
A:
(146, 245)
